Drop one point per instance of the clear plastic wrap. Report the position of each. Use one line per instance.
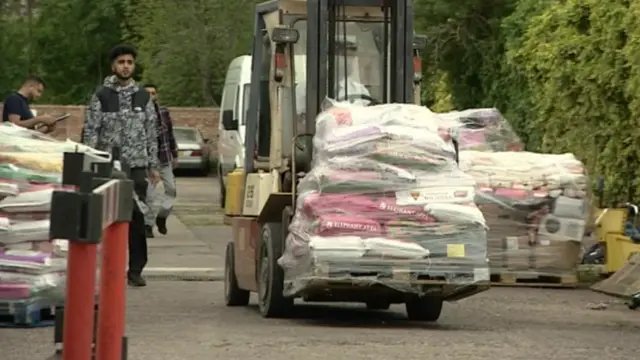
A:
(484, 130)
(385, 204)
(536, 208)
(535, 205)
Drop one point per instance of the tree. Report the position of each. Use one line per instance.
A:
(464, 40)
(186, 46)
(73, 39)
(14, 58)
(580, 57)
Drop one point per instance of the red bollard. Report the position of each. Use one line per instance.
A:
(111, 312)
(79, 313)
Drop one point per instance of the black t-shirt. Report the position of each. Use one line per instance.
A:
(16, 104)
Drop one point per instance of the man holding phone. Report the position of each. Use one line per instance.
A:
(16, 107)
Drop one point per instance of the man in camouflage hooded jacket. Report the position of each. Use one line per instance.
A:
(121, 114)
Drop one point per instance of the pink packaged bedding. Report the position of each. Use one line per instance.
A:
(317, 204)
(353, 135)
(14, 286)
(356, 182)
(389, 210)
(333, 225)
(26, 261)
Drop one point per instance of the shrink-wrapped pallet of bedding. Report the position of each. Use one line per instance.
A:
(32, 266)
(536, 208)
(535, 205)
(384, 201)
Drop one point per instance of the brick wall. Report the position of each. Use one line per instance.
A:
(205, 119)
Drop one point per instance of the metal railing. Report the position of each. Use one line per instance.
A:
(98, 212)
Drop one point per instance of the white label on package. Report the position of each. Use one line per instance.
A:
(481, 274)
(512, 243)
(424, 196)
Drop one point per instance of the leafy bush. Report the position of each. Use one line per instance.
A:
(565, 73)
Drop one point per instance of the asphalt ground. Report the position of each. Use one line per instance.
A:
(171, 320)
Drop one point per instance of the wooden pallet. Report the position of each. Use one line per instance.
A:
(532, 278)
(26, 314)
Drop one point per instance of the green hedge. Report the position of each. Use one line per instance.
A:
(566, 73)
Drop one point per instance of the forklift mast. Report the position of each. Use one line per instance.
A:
(305, 51)
(328, 26)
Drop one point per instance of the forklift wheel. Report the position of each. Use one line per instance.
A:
(271, 302)
(423, 308)
(233, 295)
(378, 305)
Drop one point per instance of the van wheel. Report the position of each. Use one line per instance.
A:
(423, 308)
(271, 301)
(233, 295)
(223, 190)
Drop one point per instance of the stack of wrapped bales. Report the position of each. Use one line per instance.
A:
(384, 188)
(535, 205)
(32, 266)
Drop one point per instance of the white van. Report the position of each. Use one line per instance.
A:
(235, 98)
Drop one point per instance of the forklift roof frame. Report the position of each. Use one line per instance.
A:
(400, 39)
(318, 50)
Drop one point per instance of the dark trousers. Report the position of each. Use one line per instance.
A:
(137, 234)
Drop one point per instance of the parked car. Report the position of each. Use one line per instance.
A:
(193, 149)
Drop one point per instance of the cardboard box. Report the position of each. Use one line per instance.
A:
(495, 252)
(555, 256)
(518, 255)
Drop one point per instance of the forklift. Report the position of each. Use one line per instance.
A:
(299, 46)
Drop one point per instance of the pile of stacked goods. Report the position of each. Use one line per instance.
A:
(484, 130)
(535, 205)
(32, 266)
(384, 188)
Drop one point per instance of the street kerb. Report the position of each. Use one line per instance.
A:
(183, 274)
(166, 268)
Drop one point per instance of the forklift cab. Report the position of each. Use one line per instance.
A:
(348, 84)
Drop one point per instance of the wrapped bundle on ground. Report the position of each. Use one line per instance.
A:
(27, 274)
(32, 266)
(484, 130)
(384, 193)
(536, 207)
